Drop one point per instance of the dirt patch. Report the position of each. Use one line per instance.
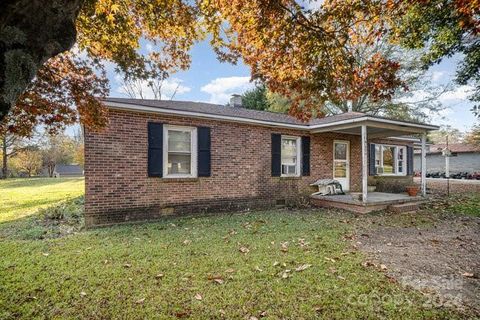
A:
(441, 259)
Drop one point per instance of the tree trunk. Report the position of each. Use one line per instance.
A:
(4, 157)
(51, 169)
(31, 32)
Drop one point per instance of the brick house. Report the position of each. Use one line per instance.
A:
(159, 158)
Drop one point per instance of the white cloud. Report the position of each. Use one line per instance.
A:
(149, 47)
(460, 93)
(437, 76)
(221, 89)
(169, 88)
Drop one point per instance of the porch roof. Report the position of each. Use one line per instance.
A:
(377, 127)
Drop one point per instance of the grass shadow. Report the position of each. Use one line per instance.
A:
(35, 182)
(55, 221)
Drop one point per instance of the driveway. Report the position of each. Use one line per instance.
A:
(440, 258)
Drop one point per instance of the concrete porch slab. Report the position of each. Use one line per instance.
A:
(375, 201)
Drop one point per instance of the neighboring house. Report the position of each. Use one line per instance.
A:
(465, 158)
(67, 170)
(159, 158)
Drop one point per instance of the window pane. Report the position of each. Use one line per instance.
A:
(378, 155)
(401, 155)
(179, 141)
(340, 169)
(289, 169)
(340, 151)
(289, 152)
(289, 156)
(179, 163)
(388, 159)
(400, 166)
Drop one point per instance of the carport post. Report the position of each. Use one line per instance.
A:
(423, 180)
(364, 165)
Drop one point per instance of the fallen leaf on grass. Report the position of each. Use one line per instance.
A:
(230, 270)
(368, 264)
(182, 314)
(83, 294)
(140, 301)
(45, 254)
(244, 250)
(284, 246)
(286, 274)
(303, 267)
(329, 259)
(159, 276)
(127, 265)
(302, 242)
(216, 278)
(186, 242)
(468, 275)
(198, 296)
(383, 267)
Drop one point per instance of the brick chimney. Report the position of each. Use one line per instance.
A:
(236, 101)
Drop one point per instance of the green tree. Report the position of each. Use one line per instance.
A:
(29, 161)
(58, 149)
(277, 102)
(440, 136)
(473, 136)
(256, 98)
(443, 28)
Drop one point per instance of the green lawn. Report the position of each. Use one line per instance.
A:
(278, 264)
(22, 197)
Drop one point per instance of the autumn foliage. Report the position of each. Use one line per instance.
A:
(310, 56)
(65, 91)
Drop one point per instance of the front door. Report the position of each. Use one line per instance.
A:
(341, 163)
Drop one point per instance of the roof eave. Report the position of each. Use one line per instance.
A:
(307, 127)
(136, 107)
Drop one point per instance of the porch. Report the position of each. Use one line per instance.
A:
(395, 150)
(399, 202)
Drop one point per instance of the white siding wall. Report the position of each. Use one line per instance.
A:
(469, 162)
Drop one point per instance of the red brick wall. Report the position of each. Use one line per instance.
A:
(118, 188)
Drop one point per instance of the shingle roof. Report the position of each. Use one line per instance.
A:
(222, 110)
(209, 108)
(68, 169)
(454, 147)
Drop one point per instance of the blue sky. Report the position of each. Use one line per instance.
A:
(209, 80)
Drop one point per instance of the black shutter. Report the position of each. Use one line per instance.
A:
(155, 149)
(276, 154)
(204, 154)
(371, 161)
(409, 160)
(305, 156)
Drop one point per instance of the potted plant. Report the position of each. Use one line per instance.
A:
(412, 190)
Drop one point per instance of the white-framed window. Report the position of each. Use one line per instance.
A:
(290, 154)
(390, 159)
(179, 152)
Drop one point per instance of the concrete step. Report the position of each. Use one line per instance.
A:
(404, 207)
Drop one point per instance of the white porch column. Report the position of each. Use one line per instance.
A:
(424, 166)
(364, 164)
